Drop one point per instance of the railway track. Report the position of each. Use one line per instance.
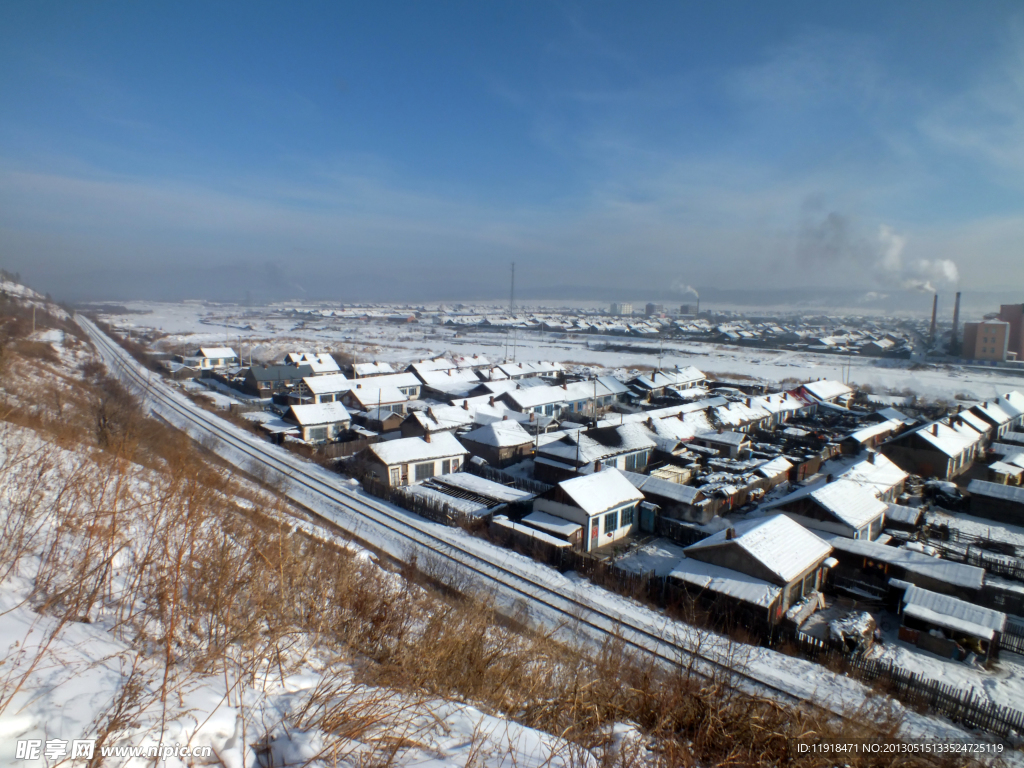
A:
(467, 556)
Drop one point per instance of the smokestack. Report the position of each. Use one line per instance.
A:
(935, 310)
(954, 348)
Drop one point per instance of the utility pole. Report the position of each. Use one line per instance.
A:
(512, 293)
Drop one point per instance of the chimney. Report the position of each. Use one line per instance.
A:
(565, 386)
(871, 457)
(830, 478)
(504, 417)
(730, 533)
(748, 402)
(954, 348)
(935, 310)
(492, 400)
(426, 437)
(465, 405)
(935, 428)
(597, 465)
(532, 415)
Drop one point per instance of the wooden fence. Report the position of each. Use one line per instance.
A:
(961, 706)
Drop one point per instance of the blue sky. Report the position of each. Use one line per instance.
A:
(411, 150)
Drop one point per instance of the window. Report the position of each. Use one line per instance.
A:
(455, 465)
(611, 522)
(423, 471)
(446, 466)
(318, 433)
(396, 476)
(549, 410)
(628, 516)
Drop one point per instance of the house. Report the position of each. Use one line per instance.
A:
(436, 418)
(873, 471)
(679, 502)
(381, 421)
(499, 443)
(470, 495)
(207, 358)
(948, 626)
(367, 370)
(839, 508)
(269, 380)
(448, 384)
(995, 501)
(320, 363)
(577, 453)
(655, 384)
(318, 422)
(326, 389)
(827, 391)
(375, 398)
(942, 449)
(735, 445)
(411, 460)
(769, 563)
(603, 503)
(866, 568)
(1001, 421)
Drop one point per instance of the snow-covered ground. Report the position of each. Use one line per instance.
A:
(269, 337)
(63, 679)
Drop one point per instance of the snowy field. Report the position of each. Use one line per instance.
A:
(268, 337)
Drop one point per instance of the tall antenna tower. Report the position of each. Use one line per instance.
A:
(512, 293)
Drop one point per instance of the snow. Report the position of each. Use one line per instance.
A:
(852, 503)
(600, 491)
(319, 413)
(503, 522)
(483, 487)
(500, 434)
(726, 582)
(959, 574)
(408, 450)
(360, 514)
(543, 520)
(784, 547)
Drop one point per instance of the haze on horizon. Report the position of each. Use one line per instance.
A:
(410, 151)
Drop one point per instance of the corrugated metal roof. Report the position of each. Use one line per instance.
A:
(957, 574)
(724, 581)
(996, 491)
(964, 615)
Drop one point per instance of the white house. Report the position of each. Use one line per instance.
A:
(604, 503)
(411, 460)
(216, 357)
(320, 421)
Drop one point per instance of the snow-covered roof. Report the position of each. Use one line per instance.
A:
(217, 352)
(332, 383)
(850, 502)
(598, 444)
(864, 434)
(877, 473)
(901, 514)
(319, 362)
(377, 396)
(600, 491)
(952, 613)
(442, 417)
(466, 506)
(958, 574)
(951, 441)
(408, 450)
(319, 413)
(725, 581)
(777, 466)
(556, 525)
(525, 530)
(827, 389)
(781, 545)
(990, 410)
(371, 369)
(656, 486)
(996, 491)
(500, 434)
(480, 486)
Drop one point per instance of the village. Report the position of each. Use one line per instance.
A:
(879, 526)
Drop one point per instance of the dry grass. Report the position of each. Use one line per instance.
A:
(198, 587)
